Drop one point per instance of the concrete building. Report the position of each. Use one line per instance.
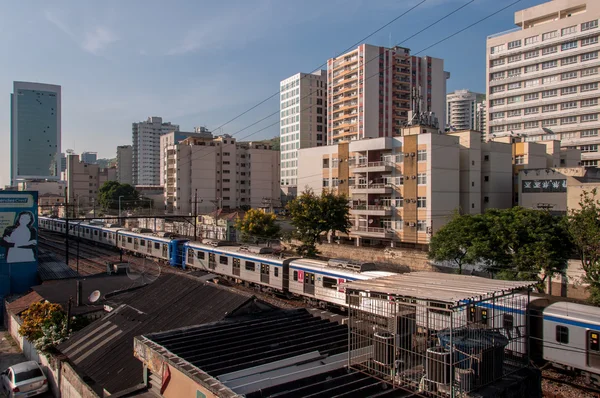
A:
(63, 163)
(89, 157)
(360, 105)
(222, 172)
(303, 121)
(543, 76)
(83, 182)
(35, 121)
(462, 110)
(51, 194)
(146, 150)
(556, 189)
(175, 137)
(481, 117)
(124, 164)
(404, 188)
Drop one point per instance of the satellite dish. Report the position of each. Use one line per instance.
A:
(94, 296)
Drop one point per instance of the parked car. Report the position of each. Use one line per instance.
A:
(25, 379)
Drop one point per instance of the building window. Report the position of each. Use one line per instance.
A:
(514, 113)
(568, 105)
(568, 120)
(422, 155)
(497, 89)
(421, 225)
(589, 25)
(589, 40)
(549, 93)
(532, 96)
(421, 202)
(589, 118)
(497, 49)
(497, 76)
(550, 108)
(532, 54)
(568, 75)
(549, 35)
(514, 44)
(497, 115)
(531, 40)
(562, 334)
(499, 101)
(549, 50)
(486, 178)
(589, 72)
(530, 125)
(514, 99)
(531, 111)
(589, 87)
(514, 58)
(568, 46)
(514, 86)
(422, 179)
(520, 159)
(589, 133)
(589, 102)
(532, 68)
(498, 62)
(589, 56)
(569, 60)
(568, 30)
(549, 122)
(513, 126)
(549, 64)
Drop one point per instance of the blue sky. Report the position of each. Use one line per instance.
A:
(201, 63)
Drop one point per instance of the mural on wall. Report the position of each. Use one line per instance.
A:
(536, 186)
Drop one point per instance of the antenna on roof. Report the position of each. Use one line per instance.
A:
(94, 296)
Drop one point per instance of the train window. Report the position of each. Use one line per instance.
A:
(157, 246)
(96, 232)
(276, 272)
(190, 256)
(128, 239)
(295, 275)
(250, 266)
(87, 230)
(119, 238)
(224, 260)
(201, 255)
(508, 322)
(211, 261)
(329, 283)
(562, 334)
(142, 242)
(104, 234)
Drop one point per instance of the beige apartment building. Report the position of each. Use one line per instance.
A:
(370, 91)
(220, 172)
(543, 77)
(84, 181)
(403, 189)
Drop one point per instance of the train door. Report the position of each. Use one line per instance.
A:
(149, 247)
(309, 283)
(235, 267)
(165, 250)
(264, 273)
(593, 349)
(136, 243)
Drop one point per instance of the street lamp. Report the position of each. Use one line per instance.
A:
(120, 208)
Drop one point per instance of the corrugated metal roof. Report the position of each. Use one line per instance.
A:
(51, 268)
(102, 352)
(22, 303)
(450, 288)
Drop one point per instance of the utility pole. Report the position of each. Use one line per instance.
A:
(69, 313)
(196, 215)
(67, 230)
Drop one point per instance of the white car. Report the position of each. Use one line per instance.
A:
(25, 379)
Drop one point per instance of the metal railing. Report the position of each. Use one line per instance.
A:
(373, 164)
(369, 207)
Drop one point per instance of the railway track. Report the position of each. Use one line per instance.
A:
(568, 387)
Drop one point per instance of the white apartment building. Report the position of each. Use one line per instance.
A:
(543, 76)
(221, 173)
(462, 110)
(405, 188)
(481, 117)
(124, 164)
(371, 89)
(303, 121)
(146, 150)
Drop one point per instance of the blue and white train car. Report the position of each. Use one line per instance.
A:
(165, 249)
(234, 262)
(316, 280)
(571, 334)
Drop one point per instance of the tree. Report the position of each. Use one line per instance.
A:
(454, 241)
(584, 230)
(313, 215)
(110, 192)
(257, 224)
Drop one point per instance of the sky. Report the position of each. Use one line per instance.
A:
(202, 63)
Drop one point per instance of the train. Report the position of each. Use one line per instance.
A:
(565, 334)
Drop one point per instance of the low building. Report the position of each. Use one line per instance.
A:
(152, 197)
(403, 189)
(202, 174)
(84, 181)
(51, 194)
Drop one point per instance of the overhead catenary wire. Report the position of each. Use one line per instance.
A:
(420, 51)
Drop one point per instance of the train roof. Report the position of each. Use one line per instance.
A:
(238, 250)
(579, 314)
(324, 267)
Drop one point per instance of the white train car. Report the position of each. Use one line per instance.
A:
(145, 244)
(571, 335)
(317, 280)
(235, 262)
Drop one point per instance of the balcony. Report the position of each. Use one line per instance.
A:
(371, 210)
(372, 188)
(371, 167)
(373, 232)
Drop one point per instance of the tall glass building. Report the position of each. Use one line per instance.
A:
(35, 131)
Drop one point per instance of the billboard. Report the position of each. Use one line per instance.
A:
(18, 241)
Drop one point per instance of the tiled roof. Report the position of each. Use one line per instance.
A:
(22, 303)
(103, 351)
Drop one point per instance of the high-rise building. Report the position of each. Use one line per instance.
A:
(371, 90)
(542, 77)
(303, 121)
(146, 149)
(35, 131)
(124, 164)
(220, 173)
(175, 137)
(89, 157)
(462, 110)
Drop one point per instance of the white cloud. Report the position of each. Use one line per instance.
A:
(95, 38)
